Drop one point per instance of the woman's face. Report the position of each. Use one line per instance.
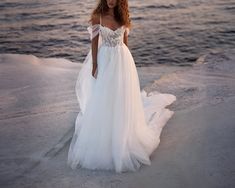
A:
(111, 3)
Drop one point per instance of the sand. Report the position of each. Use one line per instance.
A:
(38, 108)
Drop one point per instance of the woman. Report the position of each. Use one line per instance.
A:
(118, 126)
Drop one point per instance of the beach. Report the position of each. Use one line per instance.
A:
(39, 107)
(181, 47)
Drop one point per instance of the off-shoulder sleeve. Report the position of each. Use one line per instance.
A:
(93, 30)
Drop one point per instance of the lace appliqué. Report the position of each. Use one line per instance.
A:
(107, 35)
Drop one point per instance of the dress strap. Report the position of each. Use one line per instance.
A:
(100, 20)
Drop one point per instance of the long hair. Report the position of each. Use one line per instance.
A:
(121, 11)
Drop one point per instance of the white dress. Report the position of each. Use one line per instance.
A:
(118, 126)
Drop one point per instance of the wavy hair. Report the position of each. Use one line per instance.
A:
(121, 11)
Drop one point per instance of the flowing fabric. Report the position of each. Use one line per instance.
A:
(118, 126)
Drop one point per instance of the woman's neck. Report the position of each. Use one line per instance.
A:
(110, 12)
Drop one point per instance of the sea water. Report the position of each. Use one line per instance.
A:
(175, 32)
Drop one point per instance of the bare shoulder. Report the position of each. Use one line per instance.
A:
(95, 19)
(129, 27)
(127, 30)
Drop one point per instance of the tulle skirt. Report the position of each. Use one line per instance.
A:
(118, 126)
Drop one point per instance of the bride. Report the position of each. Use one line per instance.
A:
(118, 126)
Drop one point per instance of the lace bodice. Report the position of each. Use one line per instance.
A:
(108, 37)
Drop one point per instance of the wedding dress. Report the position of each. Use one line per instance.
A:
(118, 126)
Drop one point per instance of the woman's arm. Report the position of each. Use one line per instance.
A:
(94, 46)
(125, 38)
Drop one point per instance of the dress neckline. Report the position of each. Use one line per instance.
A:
(108, 27)
(112, 29)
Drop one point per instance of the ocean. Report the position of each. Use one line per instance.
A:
(174, 32)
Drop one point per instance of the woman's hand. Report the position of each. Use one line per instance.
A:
(94, 68)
